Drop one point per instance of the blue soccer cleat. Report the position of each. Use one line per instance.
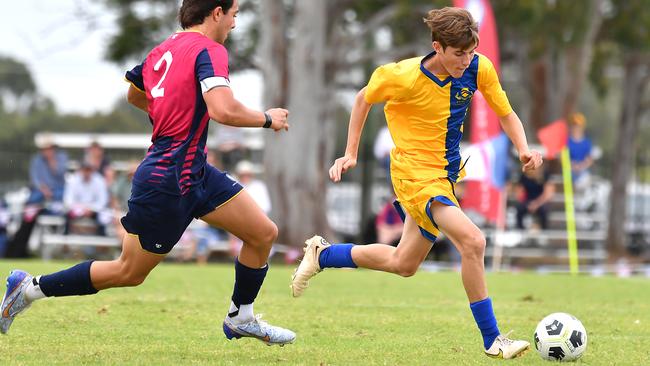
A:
(258, 329)
(14, 301)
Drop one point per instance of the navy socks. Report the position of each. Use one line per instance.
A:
(486, 321)
(69, 282)
(337, 256)
(248, 282)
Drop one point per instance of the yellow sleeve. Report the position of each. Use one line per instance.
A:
(488, 84)
(384, 84)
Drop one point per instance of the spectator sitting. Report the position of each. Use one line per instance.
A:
(534, 192)
(257, 190)
(201, 236)
(4, 221)
(120, 192)
(97, 159)
(120, 189)
(47, 181)
(230, 145)
(47, 174)
(389, 225)
(86, 196)
(382, 148)
(580, 150)
(255, 187)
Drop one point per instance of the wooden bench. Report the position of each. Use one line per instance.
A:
(50, 238)
(543, 247)
(50, 242)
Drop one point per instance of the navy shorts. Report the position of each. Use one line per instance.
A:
(159, 218)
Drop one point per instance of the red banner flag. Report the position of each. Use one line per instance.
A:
(483, 196)
(554, 137)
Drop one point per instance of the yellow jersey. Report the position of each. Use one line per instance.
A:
(425, 114)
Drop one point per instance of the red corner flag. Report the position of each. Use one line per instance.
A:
(554, 137)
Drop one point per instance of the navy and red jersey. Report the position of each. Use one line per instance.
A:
(174, 77)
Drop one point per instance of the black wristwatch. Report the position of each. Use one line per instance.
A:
(268, 122)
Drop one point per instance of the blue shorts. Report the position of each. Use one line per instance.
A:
(160, 219)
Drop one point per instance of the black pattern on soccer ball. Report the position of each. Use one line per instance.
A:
(556, 352)
(554, 328)
(576, 338)
(536, 338)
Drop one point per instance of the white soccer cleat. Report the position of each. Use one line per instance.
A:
(506, 348)
(258, 329)
(14, 301)
(309, 265)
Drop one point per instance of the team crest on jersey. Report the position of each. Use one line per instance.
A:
(463, 96)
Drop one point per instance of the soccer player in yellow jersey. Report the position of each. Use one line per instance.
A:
(426, 100)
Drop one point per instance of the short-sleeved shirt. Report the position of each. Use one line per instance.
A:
(425, 114)
(579, 150)
(533, 187)
(174, 76)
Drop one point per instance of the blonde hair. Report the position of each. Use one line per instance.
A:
(577, 119)
(453, 27)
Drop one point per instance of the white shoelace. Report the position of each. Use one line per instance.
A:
(505, 340)
(258, 319)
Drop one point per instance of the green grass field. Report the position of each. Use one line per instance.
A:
(345, 318)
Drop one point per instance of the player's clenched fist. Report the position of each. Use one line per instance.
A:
(279, 117)
(341, 165)
(530, 160)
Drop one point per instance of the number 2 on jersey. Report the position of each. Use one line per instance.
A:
(157, 91)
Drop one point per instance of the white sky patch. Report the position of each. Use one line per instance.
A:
(63, 49)
(63, 45)
(476, 8)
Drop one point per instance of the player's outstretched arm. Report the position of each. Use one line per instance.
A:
(358, 117)
(224, 108)
(513, 127)
(138, 98)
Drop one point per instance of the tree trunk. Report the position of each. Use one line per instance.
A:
(273, 55)
(559, 74)
(579, 59)
(538, 116)
(296, 162)
(635, 73)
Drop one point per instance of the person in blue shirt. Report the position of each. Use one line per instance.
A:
(580, 150)
(47, 174)
(47, 181)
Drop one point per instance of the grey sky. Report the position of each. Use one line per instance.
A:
(63, 42)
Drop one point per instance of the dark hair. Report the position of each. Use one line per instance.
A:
(193, 12)
(453, 27)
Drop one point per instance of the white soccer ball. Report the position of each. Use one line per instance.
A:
(560, 337)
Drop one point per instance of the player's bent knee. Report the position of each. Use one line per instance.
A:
(407, 272)
(132, 279)
(273, 233)
(406, 269)
(474, 247)
(263, 236)
(129, 274)
(267, 235)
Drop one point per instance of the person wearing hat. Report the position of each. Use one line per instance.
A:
(46, 173)
(46, 183)
(245, 171)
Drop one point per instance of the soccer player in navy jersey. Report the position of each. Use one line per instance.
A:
(182, 84)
